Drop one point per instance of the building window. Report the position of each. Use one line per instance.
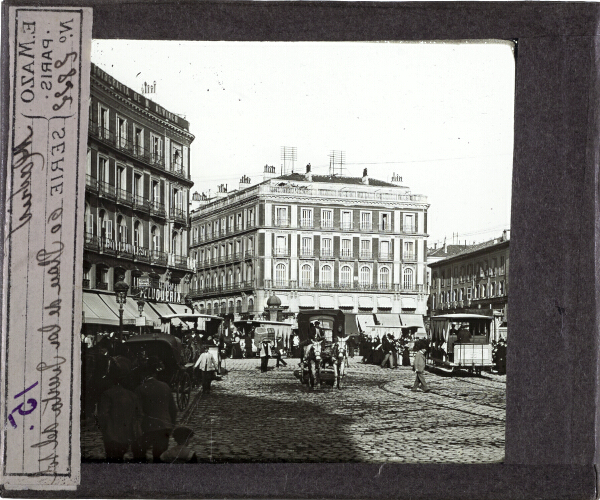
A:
(384, 278)
(384, 250)
(155, 239)
(177, 157)
(106, 226)
(366, 221)
(346, 223)
(88, 165)
(346, 276)
(250, 217)
(281, 216)
(409, 223)
(501, 288)
(346, 248)
(138, 186)
(137, 234)
(365, 249)
(156, 144)
(365, 276)
(306, 249)
(121, 132)
(306, 274)
(280, 274)
(138, 140)
(385, 223)
(492, 289)
(408, 279)
(306, 217)
(502, 270)
(326, 247)
(326, 276)
(409, 252)
(249, 274)
(122, 230)
(175, 244)
(103, 169)
(281, 246)
(327, 219)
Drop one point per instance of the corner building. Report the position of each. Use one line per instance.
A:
(136, 211)
(316, 241)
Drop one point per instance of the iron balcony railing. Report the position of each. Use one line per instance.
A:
(278, 252)
(306, 223)
(307, 253)
(365, 254)
(102, 286)
(282, 222)
(386, 256)
(326, 253)
(346, 254)
(177, 214)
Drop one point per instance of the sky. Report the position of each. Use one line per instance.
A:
(439, 114)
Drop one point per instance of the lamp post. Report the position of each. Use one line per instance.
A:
(121, 289)
(140, 303)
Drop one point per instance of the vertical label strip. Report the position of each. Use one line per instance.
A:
(43, 247)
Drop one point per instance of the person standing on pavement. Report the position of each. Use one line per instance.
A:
(160, 413)
(419, 368)
(277, 352)
(388, 351)
(119, 415)
(265, 354)
(208, 366)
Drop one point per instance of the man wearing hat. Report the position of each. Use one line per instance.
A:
(265, 354)
(180, 454)
(160, 413)
(208, 366)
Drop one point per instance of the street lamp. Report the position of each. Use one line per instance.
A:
(121, 289)
(140, 303)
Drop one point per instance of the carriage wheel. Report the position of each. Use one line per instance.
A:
(184, 389)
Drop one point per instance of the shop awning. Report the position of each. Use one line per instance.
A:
(161, 308)
(412, 320)
(129, 314)
(306, 301)
(384, 303)
(365, 321)
(151, 314)
(409, 303)
(350, 324)
(96, 311)
(326, 302)
(285, 301)
(180, 308)
(365, 302)
(389, 320)
(346, 302)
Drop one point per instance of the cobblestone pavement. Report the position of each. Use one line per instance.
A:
(271, 417)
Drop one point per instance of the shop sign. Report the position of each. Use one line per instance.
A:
(159, 295)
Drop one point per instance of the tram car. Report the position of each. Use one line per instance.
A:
(461, 342)
(258, 330)
(319, 361)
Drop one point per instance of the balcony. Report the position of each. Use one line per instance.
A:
(306, 224)
(385, 228)
(248, 254)
(178, 215)
(91, 242)
(157, 208)
(124, 197)
(86, 284)
(327, 225)
(326, 253)
(102, 286)
(366, 255)
(105, 190)
(125, 250)
(346, 254)
(91, 184)
(366, 226)
(141, 253)
(346, 226)
(411, 257)
(158, 257)
(108, 245)
(153, 158)
(140, 203)
(306, 253)
(279, 252)
(409, 229)
(282, 222)
(386, 256)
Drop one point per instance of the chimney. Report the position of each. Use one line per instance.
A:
(269, 172)
(365, 177)
(505, 234)
(244, 182)
(396, 179)
(308, 175)
(444, 247)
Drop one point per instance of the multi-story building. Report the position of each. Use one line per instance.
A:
(473, 281)
(316, 241)
(136, 210)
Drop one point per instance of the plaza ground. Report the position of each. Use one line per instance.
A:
(271, 417)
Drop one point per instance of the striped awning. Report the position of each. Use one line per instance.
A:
(326, 302)
(346, 302)
(365, 302)
(409, 303)
(384, 303)
(307, 301)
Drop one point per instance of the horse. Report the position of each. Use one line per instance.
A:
(340, 359)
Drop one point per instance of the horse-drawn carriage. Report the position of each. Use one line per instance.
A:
(168, 349)
(195, 331)
(324, 353)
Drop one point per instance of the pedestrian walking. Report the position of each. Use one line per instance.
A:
(207, 366)
(387, 347)
(265, 354)
(181, 453)
(277, 356)
(119, 414)
(160, 413)
(419, 368)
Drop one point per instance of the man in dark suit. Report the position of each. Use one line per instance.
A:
(160, 413)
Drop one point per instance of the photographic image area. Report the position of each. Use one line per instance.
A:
(297, 252)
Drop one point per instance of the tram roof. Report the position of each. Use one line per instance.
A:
(188, 317)
(459, 317)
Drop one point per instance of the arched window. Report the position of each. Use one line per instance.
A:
(208, 309)
(492, 289)
(326, 276)
(175, 244)
(455, 295)
(238, 275)
(384, 278)
(249, 274)
(230, 306)
(230, 281)
(408, 279)
(222, 282)
(433, 301)
(88, 222)
(122, 229)
(155, 239)
(137, 234)
(280, 274)
(306, 275)
(201, 283)
(250, 304)
(346, 276)
(365, 276)
(238, 306)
